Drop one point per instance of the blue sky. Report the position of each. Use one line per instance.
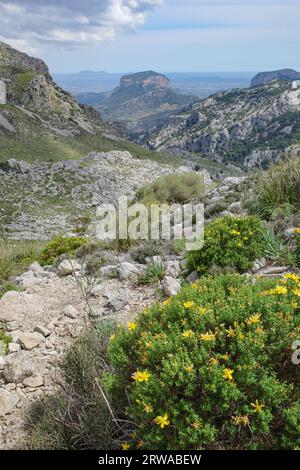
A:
(164, 35)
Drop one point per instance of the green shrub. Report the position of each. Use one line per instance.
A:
(154, 272)
(77, 417)
(229, 243)
(59, 246)
(4, 339)
(212, 368)
(278, 187)
(15, 257)
(173, 189)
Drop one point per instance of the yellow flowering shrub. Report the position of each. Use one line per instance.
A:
(213, 367)
(229, 243)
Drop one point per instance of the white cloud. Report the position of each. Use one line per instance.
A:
(70, 22)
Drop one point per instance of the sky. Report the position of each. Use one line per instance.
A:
(162, 35)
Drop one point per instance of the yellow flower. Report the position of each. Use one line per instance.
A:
(259, 330)
(167, 302)
(125, 446)
(140, 444)
(297, 231)
(148, 408)
(240, 420)
(189, 304)
(132, 326)
(230, 332)
(280, 290)
(292, 277)
(253, 319)
(162, 421)
(112, 337)
(257, 407)
(189, 368)
(213, 361)
(296, 292)
(202, 310)
(227, 374)
(188, 334)
(196, 425)
(235, 232)
(208, 336)
(141, 376)
(225, 357)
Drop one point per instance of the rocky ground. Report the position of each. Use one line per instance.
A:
(43, 320)
(41, 200)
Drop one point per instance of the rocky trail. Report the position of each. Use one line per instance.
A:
(43, 321)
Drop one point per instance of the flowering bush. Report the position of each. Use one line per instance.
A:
(59, 246)
(212, 368)
(229, 242)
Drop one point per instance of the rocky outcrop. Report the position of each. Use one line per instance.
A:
(10, 57)
(265, 77)
(250, 127)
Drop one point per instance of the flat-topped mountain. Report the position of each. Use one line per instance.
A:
(141, 101)
(265, 77)
(145, 79)
(247, 127)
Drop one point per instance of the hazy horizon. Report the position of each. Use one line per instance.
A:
(176, 35)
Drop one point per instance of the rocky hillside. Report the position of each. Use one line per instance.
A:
(40, 200)
(142, 101)
(248, 127)
(265, 77)
(41, 121)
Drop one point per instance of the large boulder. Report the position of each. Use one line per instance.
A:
(129, 271)
(30, 341)
(68, 267)
(18, 366)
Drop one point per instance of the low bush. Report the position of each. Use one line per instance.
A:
(211, 368)
(15, 257)
(173, 189)
(59, 246)
(229, 243)
(153, 273)
(150, 248)
(279, 187)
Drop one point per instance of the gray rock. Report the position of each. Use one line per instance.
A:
(170, 286)
(30, 341)
(14, 347)
(172, 268)
(42, 330)
(273, 270)
(34, 381)
(36, 268)
(129, 271)
(109, 271)
(118, 301)
(192, 277)
(2, 362)
(70, 312)
(18, 366)
(68, 267)
(8, 402)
